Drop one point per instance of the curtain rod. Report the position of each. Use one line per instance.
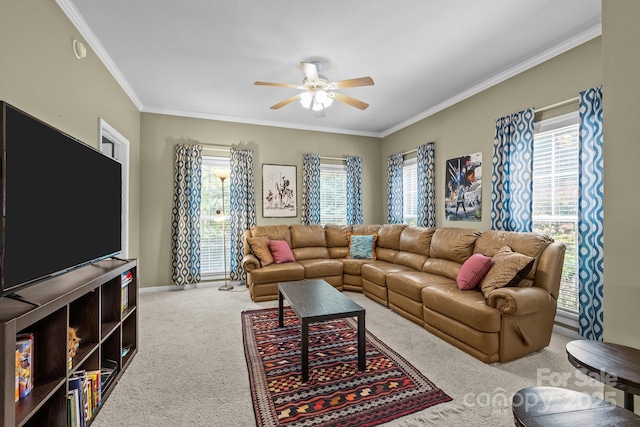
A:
(210, 147)
(410, 151)
(557, 104)
(333, 158)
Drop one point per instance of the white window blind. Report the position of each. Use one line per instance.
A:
(333, 194)
(211, 241)
(410, 191)
(555, 195)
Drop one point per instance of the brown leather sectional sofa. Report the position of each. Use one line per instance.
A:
(415, 275)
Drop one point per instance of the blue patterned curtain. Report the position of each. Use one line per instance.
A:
(426, 188)
(591, 216)
(185, 216)
(243, 206)
(311, 189)
(354, 190)
(512, 189)
(395, 214)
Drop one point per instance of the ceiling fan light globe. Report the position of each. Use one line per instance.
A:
(317, 106)
(321, 96)
(305, 99)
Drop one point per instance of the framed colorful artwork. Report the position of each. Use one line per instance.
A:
(463, 192)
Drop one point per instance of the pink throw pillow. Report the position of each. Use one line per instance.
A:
(281, 251)
(473, 271)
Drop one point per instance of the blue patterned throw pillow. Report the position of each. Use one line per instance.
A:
(362, 246)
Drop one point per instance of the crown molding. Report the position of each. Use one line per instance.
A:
(76, 19)
(552, 52)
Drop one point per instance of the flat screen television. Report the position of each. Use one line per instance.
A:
(61, 202)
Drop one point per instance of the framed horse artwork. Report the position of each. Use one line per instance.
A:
(279, 191)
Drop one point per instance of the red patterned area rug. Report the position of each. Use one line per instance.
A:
(337, 394)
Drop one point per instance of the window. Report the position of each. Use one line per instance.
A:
(410, 191)
(333, 194)
(555, 195)
(211, 241)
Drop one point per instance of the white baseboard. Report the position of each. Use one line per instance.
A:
(186, 287)
(566, 331)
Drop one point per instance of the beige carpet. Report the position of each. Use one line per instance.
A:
(190, 368)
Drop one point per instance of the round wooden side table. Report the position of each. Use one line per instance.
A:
(612, 364)
(553, 406)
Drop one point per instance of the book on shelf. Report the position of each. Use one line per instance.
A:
(94, 378)
(76, 387)
(17, 396)
(24, 363)
(73, 408)
(125, 279)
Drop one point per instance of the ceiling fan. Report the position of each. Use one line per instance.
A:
(319, 92)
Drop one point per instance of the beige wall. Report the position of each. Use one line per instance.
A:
(40, 74)
(161, 133)
(620, 93)
(468, 126)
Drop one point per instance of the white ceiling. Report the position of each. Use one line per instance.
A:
(199, 58)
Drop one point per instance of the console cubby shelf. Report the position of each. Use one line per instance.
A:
(90, 299)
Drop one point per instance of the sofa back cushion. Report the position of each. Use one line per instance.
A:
(308, 242)
(389, 236)
(337, 240)
(273, 232)
(303, 236)
(388, 242)
(453, 244)
(365, 229)
(337, 235)
(414, 246)
(416, 239)
(529, 244)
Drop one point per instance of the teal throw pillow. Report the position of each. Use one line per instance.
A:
(362, 246)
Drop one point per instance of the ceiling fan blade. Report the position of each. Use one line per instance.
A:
(351, 101)
(310, 71)
(360, 81)
(276, 84)
(285, 102)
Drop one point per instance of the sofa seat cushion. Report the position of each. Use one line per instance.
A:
(377, 271)
(278, 273)
(353, 266)
(468, 307)
(410, 283)
(321, 267)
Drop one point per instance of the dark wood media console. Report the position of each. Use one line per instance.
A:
(90, 299)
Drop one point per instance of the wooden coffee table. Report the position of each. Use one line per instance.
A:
(612, 364)
(315, 301)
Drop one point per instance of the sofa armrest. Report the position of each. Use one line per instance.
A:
(512, 300)
(250, 262)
